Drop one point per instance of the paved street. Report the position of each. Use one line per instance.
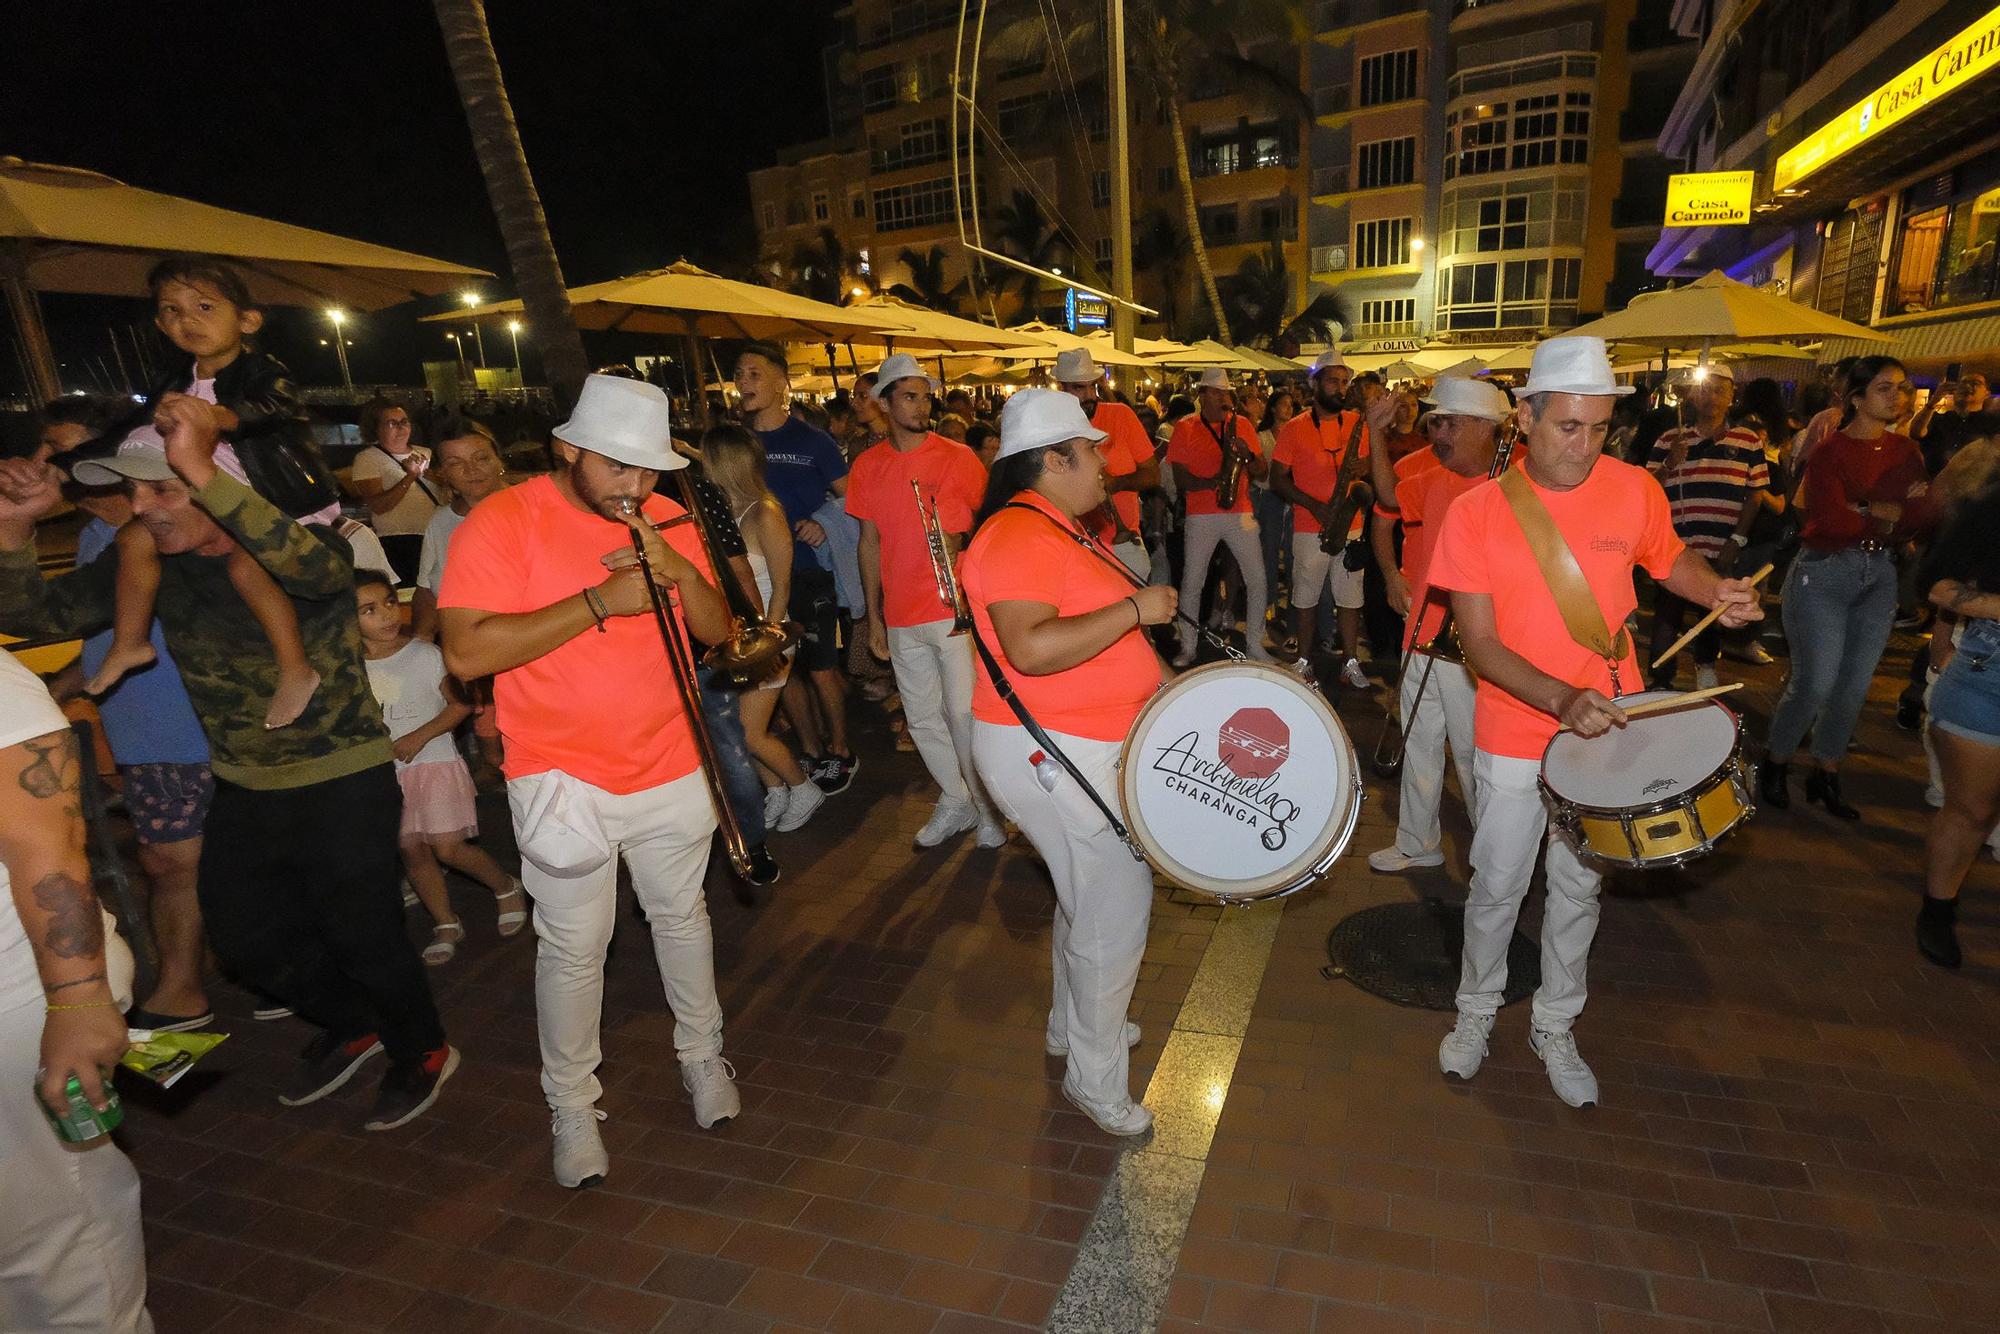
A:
(1799, 1131)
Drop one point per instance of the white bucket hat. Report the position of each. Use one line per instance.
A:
(902, 366)
(1326, 360)
(627, 421)
(1038, 418)
(1461, 396)
(1074, 366)
(1214, 378)
(1572, 364)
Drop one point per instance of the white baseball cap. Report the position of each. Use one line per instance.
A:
(1038, 418)
(1572, 364)
(1462, 396)
(1074, 366)
(627, 421)
(142, 457)
(1214, 378)
(902, 366)
(1325, 361)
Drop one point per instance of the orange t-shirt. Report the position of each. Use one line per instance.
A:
(1198, 446)
(1616, 519)
(1425, 490)
(878, 490)
(1021, 557)
(602, 707)
(1314, 447)
(1127, 447)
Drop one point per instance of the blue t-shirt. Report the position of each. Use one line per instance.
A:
(801, 464)
(147, 716)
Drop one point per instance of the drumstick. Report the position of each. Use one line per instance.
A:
(1704, 623)
(1674, 701)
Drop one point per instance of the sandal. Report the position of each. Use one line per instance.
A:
(444, 943)
(513, 920)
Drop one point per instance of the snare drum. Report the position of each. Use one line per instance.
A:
(1660, 791)
(1239, 782)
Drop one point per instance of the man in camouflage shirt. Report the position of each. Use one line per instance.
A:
(298, 874)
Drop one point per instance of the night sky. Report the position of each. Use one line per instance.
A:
(639, 119)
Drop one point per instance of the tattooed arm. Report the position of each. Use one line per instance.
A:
(1966, 600)
(41, 842)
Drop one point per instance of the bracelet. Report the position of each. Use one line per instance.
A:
(593, 602)
(85, 1005)
(1138, 618)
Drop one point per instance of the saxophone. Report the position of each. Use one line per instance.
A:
(1334, 535)
(949, 591)
(1230, 475)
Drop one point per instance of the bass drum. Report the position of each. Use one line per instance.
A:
(1239, 782)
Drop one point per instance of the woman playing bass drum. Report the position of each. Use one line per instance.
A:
(1065, 631)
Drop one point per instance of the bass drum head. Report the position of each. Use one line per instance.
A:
(1651, 759)
(1239, 782)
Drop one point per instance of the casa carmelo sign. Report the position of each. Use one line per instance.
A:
(1709, 198)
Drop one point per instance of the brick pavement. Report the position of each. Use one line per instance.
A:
(1800, 1128)
(1796, 1135)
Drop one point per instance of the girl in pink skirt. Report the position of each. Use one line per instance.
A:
(422, 705)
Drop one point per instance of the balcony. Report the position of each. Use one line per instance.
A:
(1334, 15)
(1536, 69)
(1329, 259)
(1391, 329)
(1330, 180)
(910, 20)
(1334, 101)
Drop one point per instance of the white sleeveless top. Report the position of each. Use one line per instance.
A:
(760, 568)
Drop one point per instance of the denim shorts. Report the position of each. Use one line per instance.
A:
(1966, 699)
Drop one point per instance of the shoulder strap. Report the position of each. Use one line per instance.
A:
(1580, 612)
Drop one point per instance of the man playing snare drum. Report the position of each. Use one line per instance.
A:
(1536, 618)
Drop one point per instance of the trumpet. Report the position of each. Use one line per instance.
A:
(680, 661)
(757, 644)
(948, 589)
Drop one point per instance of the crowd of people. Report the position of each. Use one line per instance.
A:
(303, 703)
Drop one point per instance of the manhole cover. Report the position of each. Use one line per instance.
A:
(1409, 953)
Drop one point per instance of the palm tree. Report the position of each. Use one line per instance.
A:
(820, 269)
(1023, 232)
(927, 285)
(517, 207)
(1259, 297)
(1158, 246)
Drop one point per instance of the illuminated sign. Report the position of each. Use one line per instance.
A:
(1709, 198)
(1956, 63)
(1085, 312)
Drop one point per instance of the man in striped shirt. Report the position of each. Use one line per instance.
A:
(1713, 473)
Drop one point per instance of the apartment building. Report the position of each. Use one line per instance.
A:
(1873, 131)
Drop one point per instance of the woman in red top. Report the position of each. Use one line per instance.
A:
(1065, 628)
(1863, 498)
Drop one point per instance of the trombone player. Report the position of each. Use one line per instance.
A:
(544, 592)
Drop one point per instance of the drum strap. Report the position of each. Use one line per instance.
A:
(1003, 688)
(1581, 615)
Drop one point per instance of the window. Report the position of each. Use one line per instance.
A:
(1100, 189)
(1098, 122)
(1246, 149)
(770, 212)
(1020, 117)
(1219, 224)
(1221, 159)
(1387, 316)
(1514, 215)
(1386, 162)
(822, 211)
(1943, 256)
(857, 202)
(862, 264)
(1544, 130)
(1510, 294)
(1381, 243)
(1163, 179)
(1389, 77)
(920, 204)
(904, 82)
(1274, 219)
(1102, 252)
(878, 88)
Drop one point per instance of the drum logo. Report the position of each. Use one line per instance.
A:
(1241, 781)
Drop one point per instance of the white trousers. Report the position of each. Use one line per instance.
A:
(1443, 716)
(934, 676)
(663, 834)
(71, 1253)
(1104, 897)
(1239, 533)
(1136, 558)
(1511, 825)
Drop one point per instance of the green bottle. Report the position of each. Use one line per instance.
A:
(81, 1123)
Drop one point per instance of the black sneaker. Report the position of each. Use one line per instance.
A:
(326, 1063)
(763, 866)
(141, 1017)
(1910, 712)
(409, 1090)
(832, 773)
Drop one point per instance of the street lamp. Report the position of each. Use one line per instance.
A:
(458, 344)
(514, 330)
(339, 317)
(471, 300)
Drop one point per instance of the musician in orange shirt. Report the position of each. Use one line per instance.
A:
(1314, 449)
(1200, 447)
(1129, 464)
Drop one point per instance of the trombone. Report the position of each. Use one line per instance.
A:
(948, 589)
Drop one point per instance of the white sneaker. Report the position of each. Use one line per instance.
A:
(1465, 1046)
(1059, 1046)
(579, 1153)
(1704, 677)
(775, 801)
(1182, 660)
(1303, 669)
(710, 1084)
(992, 834)
(948, 818)
(1392, 859)
(1352, 675)
(1568, 1075)
(1128, 1119)
(800, 803)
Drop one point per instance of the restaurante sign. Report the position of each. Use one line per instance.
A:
(1709, 198)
